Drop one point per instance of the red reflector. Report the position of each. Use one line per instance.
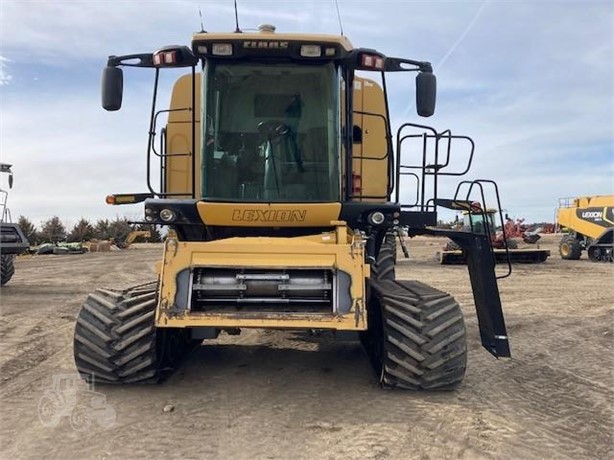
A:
(165, 58)
(110, 199)
(368, 60)
(356, 183)
(170, 57)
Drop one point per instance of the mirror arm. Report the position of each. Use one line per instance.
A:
(395, 65)
(144, 60)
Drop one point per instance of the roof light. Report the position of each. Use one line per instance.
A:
(311, 50)
(222, 49)
(379, 63)
(202, 49)
(330, 51)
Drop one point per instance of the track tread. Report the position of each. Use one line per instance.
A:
(115, 340)
(383, 268)
(7, 268)
(422, 341)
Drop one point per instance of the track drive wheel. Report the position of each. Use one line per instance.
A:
(383, 268)
(416, 338)
(116, 342)
(570, 248)
(7, 269)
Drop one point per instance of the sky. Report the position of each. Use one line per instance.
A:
(531, 82)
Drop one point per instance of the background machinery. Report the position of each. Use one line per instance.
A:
(12, 239)
(505, 245)
(589, 221)
(282, 189)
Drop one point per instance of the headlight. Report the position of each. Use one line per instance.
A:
(167, 215)
(377, 218)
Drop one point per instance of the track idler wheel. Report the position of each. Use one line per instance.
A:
(116, 342)
(416, 338)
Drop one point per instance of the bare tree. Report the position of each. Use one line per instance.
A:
(52, 231)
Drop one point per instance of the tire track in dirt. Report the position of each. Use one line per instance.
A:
(280, 395)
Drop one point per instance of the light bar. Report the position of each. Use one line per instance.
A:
(222, 49)
(311, 50)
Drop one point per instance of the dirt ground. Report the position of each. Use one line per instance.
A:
(283, 395)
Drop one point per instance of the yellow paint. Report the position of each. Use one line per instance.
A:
(278, 37)
(567, 217)
(373, 168)
(179, 138)
(269, 214)
(313, 251)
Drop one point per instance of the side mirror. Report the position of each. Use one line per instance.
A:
(112, 88)
(426, 93)
(11, 180)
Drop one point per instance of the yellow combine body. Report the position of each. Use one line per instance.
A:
(589, 221)
(335, 253)
(277, 181)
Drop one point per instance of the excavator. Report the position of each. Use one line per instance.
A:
(505, 247)
(277, 173)
(589, 221)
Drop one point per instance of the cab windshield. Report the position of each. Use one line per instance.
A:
(270, 133)
(480, 223)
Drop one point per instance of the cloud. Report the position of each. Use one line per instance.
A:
(531, 82)
(5, 77)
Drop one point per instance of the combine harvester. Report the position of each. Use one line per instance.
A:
(277, 178)
(506, 248)
(12, 239)
(590, 222)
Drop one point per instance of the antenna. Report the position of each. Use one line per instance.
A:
(202, 25)
(338, 16)
(237, 30)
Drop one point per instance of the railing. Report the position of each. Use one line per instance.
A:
(483, 207)
(163, 156)
(433, 160)
(5, 213)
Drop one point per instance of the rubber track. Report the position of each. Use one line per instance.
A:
(383, 269)
(7, 269)
(115, 340)
(421, 336)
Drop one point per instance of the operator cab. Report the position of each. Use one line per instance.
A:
(271, 132)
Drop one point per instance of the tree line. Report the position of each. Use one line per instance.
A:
(54, 231)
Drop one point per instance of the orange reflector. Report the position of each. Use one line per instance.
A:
(110, 199)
